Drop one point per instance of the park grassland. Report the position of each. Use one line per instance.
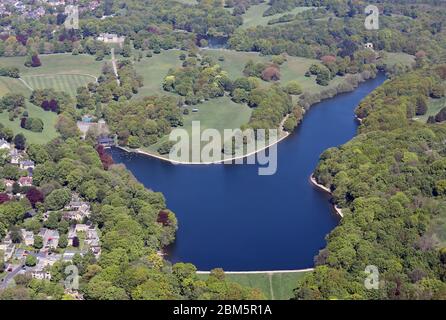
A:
(49, 120)
(254, 15)
(293, 69)
(10, 85)
(434, 107)
(61, 72)
(220, 113)
(64, 63)
(154, 70)
(275, 286)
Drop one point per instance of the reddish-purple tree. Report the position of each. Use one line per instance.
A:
(23, 122)
(35, 61)
(106, 159)
(54, 105)
(4, 198)
(22, 39)
(45, 105)
(163, 218)
(34, 196)
(76, 242)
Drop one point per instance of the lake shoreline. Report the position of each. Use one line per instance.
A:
(223, 161)
(230, 160)
(330, 124)
(327, 190)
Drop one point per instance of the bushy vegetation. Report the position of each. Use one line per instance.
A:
(196, 84)
(389, 183)
(134, 225)
(144, 122)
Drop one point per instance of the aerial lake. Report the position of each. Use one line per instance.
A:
(230, 217)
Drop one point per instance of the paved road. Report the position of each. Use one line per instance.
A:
(115, 68)
(6, 280)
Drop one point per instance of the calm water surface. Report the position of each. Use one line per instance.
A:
(230, 217)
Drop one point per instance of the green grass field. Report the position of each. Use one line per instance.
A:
(392, 58)
(293, 69)
(49, 119)
(234, 60)
(10, 85)
(60, 82)
(192, 2)
(221, 113)
(254, 16)
(155, 69)
(57, 64)
(277, 286)
(62, 72)
(434, 106)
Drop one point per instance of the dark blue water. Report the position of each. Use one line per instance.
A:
(230, 217)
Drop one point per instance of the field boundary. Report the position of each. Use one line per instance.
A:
(261, 272)
(61, 74)
(26, 84)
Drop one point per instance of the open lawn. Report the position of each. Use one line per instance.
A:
(392, 58)
(296, 67)
(235, 61)
(62, 72)
(434, 106)
(254, 16)
(276, 286)
(155, 69)
(60, 82)
(293, 69)
(49, 119)
(57, 64)
(10, 85)
(192, 2)
(221, 113)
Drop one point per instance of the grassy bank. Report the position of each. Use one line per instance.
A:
(276, 286)
(49, 120)
(254, 15)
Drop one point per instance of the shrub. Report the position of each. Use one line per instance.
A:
(293, 87)
(271, 74)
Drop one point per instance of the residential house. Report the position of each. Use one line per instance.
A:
(106, 141)
(82, 227)
(19, 254)
(28, 237)
(8, 184)
(92, 240)
(111, 38)
(8, 250)
(369, 45)
(37, 13)
(50, 259)
(55, 3)
(25, 181)
(50, 238)
(76, 209)
(27, 164)
(15, 156)
(4, 145)
(40, 274)
(70, 253)
(71, 235)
